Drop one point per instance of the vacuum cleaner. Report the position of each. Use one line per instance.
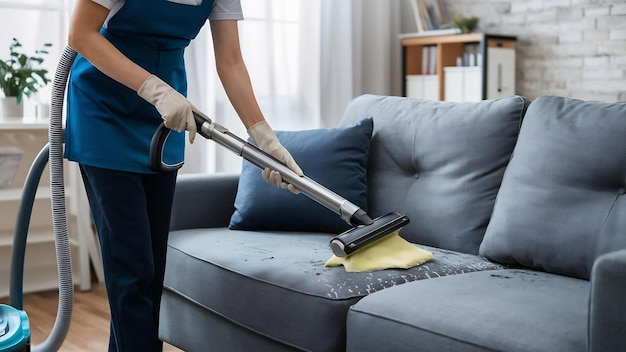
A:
(14, 323)
(365, 230)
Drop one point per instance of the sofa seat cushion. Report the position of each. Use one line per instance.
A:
(503, 310)
(439, 163)
(276, 284)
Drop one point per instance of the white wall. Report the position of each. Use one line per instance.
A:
(572, 48)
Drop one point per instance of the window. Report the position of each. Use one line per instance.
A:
(280, 44)
(33, 23)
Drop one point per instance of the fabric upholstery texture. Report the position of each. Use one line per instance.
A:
(562, 202)
(248, 276)
(195, 200)
(484, 311)
(336, 158)
(606, 314)
(192, 327)
(439, 163)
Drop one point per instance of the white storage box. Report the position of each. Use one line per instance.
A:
(463, 83)
(422, 87)
(10, 159)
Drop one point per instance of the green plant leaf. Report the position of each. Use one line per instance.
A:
(20, 75)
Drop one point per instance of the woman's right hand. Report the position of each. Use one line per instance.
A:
(175, 109)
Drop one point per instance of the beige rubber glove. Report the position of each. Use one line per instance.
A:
(265, 138)
(174, 108)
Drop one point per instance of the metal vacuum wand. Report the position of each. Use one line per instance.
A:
(365, 229)
(348, 211)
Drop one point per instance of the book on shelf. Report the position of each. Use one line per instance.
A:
(431, 18)
(429, 59)
(425, 59)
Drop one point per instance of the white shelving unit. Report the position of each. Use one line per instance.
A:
(490, 75)
(40, 271)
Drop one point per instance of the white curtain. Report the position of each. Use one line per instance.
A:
(200, 63)
(360, 52)
(307, 60)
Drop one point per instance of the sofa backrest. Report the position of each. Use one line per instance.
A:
(439, 163)
(562, 201)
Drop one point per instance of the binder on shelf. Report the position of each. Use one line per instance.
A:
(425, 59)
(432, 61)
(429, 59)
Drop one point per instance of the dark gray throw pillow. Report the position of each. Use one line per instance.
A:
(336, 158)
(562, 202)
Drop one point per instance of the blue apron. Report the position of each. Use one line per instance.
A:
(108, 125)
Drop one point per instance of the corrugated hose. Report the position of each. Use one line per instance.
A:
(53, 154)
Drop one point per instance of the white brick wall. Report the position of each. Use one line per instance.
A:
(573, 48)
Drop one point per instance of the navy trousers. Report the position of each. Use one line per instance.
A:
(131, 213)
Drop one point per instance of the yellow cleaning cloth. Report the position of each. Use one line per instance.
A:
(389, 252)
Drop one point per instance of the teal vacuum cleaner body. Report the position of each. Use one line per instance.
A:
(364, 231)
(14, 328)
(14, 323)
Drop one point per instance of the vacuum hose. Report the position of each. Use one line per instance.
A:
(53, 153)
(57, 185)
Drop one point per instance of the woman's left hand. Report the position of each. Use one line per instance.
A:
(265, 138)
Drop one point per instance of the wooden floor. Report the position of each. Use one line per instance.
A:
(89, 329)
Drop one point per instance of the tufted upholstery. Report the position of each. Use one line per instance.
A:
(440, 163)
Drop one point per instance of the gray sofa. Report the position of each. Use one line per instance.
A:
(521, 203)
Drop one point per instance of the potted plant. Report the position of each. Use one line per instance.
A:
(20, 76)
(466, 24)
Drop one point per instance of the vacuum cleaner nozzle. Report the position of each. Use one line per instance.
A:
(363, 235)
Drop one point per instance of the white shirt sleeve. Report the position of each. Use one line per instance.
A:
(106, 3)
(225, 10)
(222, 9)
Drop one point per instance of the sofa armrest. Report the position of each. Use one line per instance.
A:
(607, 306)
(203, 200)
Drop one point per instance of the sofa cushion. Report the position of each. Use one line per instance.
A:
(276, 284)
(335, 158)
(562, 200)
(501, 310)
(440, 163)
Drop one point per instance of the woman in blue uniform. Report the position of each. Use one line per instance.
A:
(130, 76)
